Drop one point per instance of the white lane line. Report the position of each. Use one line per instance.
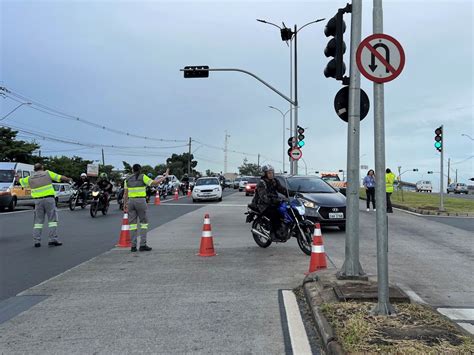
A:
(205, 204)
(172, 199)
(298, 336)
(458, 313)
(468, 326)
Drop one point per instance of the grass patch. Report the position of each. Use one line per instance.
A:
(414, 329)
(430, 202)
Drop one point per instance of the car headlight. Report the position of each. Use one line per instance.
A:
(95, 193)
(309, 204)
(216, 189)
(5, 189)
(196, 190)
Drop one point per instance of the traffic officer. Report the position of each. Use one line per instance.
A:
(389, 181)
(42, 191)
(135, 204)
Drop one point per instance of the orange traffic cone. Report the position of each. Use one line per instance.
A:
(157, 198)
(207, 244)
(189, 192)
(176, 196)
(318, 256)
(124, 240)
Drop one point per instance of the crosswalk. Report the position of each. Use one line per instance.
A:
(463, 316)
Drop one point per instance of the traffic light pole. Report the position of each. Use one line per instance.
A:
(441, 176)
(383, 306)
(352, 267)
(295, 120)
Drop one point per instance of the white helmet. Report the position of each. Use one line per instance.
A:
(266, 168)
(83, 175)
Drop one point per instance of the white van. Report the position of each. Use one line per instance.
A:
(422, 186)
(11, 193)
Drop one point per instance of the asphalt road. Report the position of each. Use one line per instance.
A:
(463, 196)
(24, 266)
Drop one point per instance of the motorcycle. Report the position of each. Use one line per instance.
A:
(150, 191)
(120, 193)
(163, 191)
(293, 224)
(77, 198)
(98, 202)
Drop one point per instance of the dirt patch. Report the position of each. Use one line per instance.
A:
(414, 329)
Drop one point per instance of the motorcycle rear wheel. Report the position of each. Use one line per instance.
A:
(261, 242)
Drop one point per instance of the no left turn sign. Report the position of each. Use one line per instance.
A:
(296, 154)
(380, 58)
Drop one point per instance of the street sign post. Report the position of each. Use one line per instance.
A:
(380, 58)
(341, 104)
(296, 154)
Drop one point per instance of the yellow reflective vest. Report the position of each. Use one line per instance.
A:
(136, 185)
(41, 183)
(389, 180)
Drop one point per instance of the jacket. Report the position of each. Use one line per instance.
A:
(389, 180)
(266, 194)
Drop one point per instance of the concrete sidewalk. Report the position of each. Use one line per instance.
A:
(168, 300)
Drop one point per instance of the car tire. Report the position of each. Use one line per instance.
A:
(194, 200)
(11, 205)
(342, 228)
(220, 199)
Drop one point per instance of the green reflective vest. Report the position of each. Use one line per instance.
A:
(41, 183)
(389, 180)
(136, 185)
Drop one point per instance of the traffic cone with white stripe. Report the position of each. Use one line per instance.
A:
(124, 240)
(318, 256)
(157, 198)
(176, 196)
(207, 244)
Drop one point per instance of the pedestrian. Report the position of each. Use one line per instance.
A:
(42, 191)
(369, 184)
(389, 181)
(135, 205)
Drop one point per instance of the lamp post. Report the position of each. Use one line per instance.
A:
(468, 136)
(16, 108)
(283, 116)
(400, 178)
(288, 35)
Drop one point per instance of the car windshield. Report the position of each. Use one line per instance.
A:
(7, 175)
(210, 181)
(309, 185)
(253, 180)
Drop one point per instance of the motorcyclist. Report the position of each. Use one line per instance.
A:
(105, 185)
(185, 183)
(149, 190)
(83, 186)
(266, 198)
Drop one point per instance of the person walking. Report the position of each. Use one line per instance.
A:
(369, 184)
(389, 181)
(42, 191)
(135, 205)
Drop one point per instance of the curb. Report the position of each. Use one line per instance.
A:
(330, 345)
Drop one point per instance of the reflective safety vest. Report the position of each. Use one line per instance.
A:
(136, 185)
(389, 180)
(41, 183)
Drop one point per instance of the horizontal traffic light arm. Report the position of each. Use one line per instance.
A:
(254, 76)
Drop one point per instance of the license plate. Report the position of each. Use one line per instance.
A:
(336, 215)
(206, 193)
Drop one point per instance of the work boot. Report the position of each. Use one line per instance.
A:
(145, 248)
(55, 243)
(133, 249)
(37, 245)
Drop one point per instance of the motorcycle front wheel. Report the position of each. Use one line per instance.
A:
(72, 203)
(304, 242)
(94, 208)
(261, 241)
(105, 209)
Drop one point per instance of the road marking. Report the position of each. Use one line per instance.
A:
(468, 326)
(430, 215)
(205, 204)
(464, 317)
(298, 337)
(412, 294)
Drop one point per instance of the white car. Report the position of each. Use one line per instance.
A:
(243, 181)
(207, 188)
(424, 186)
(63, 192)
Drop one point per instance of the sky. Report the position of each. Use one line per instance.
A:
(116, 64)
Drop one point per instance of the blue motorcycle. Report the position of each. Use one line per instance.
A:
(292, 224)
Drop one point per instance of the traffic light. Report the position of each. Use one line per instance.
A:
(196, 71)
(300, 137)
(336, 47)
(286, 34)
(439, 139)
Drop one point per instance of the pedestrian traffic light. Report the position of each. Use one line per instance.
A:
(439, 139)
(336, 47)
(196, 71)
(300, 137)
(291, 143)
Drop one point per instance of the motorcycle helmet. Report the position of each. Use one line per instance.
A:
(150, 175)
(103, 175)
(83, 175)
(267, 168)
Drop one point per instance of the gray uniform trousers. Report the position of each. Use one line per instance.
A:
(137, 210)
(45, 207)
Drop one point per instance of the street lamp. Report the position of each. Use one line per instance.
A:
(468, 136)
(400, 178)
(288, 35)
(283, 116)
(16, 108)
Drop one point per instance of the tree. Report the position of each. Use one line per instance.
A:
(178, 164)
(12, 149)
(250, 169)
(127, 168)
(210, 173)
(71, 167)
(113, 175)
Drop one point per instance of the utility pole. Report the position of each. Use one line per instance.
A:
(189, 157)
(456, 180)
(441, 175)
(258, 161)
(449, 170)
(352, 267)
(383, 306)
(103, 158)
(295, 121)
(226, 145)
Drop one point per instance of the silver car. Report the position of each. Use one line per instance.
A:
(457, 188)
(63, 192)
